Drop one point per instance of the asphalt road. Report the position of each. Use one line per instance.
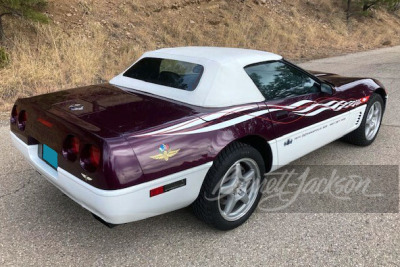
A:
(41, 226)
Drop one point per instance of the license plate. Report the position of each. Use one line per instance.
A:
(50, 156)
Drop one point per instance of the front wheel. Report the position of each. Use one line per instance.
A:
(231, 189)
(366, 133)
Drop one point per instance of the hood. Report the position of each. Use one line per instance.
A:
(334, 79)
(110, 108)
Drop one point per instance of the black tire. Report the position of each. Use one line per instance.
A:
(358, 137)
(206, 207)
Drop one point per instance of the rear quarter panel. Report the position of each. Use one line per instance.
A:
(194, 148)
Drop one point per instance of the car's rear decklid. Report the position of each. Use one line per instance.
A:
(108, 108)
(82, 130)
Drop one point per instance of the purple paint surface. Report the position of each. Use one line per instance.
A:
(117, 121)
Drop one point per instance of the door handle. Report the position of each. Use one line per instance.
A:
(281, 114)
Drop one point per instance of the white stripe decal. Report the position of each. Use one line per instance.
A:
(308, 108)
(205, 120)
(183, 125)
(226, 124)
(315, 112)
(300, 103)
(338, 104)
(217, 115)
(311, 107)
(198, 121)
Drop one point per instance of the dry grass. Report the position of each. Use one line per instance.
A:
(100, 39)
(55, 60)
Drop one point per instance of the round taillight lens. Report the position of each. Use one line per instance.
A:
(90, 158)
(71, 148)
(14, 115)
(22, 118)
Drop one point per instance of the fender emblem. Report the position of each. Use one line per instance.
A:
(76, 107)
(288, 142)
(86, 177)
(165, 153)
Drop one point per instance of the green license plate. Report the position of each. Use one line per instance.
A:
(50, 156)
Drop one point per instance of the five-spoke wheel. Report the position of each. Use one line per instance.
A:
(366, 133)
(231, 189)
(239, 189)
(373, 120)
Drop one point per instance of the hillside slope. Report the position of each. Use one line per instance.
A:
(90, 41)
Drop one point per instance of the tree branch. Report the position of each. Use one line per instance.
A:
(4, 14)
(11, 10)
(369, 5)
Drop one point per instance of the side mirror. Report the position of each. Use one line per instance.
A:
(326, 88)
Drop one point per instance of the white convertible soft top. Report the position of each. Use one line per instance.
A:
(224, 81)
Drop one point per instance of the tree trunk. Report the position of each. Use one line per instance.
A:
(2, 35)
(348, 11)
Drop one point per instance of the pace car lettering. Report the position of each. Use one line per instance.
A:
(165, 153)
(303, 108)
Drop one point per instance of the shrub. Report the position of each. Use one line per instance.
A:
(4, 57)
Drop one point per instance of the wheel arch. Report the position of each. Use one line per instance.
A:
(210, 211)
(261, 145)
(382, 92)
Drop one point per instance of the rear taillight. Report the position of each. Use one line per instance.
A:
(22, 118)
(71, 148)
(90, 158)
(14, 115)
(95, 156)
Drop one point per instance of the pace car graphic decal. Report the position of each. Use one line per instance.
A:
(165, 152)
(209, 122)
(311, 108)
(200, 121)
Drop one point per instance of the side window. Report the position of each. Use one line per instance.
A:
(277, 80)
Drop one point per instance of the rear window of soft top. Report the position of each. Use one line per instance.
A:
(172, 73)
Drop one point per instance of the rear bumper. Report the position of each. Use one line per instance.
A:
(123, 205)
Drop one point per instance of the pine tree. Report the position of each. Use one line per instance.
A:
(367, 4)
(24, 9)
(362, 7)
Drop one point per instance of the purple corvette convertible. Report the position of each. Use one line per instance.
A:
(190, 126)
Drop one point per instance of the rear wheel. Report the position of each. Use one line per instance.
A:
(231, 189)
(370, 125)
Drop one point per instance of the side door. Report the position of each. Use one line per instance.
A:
(303, 117)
